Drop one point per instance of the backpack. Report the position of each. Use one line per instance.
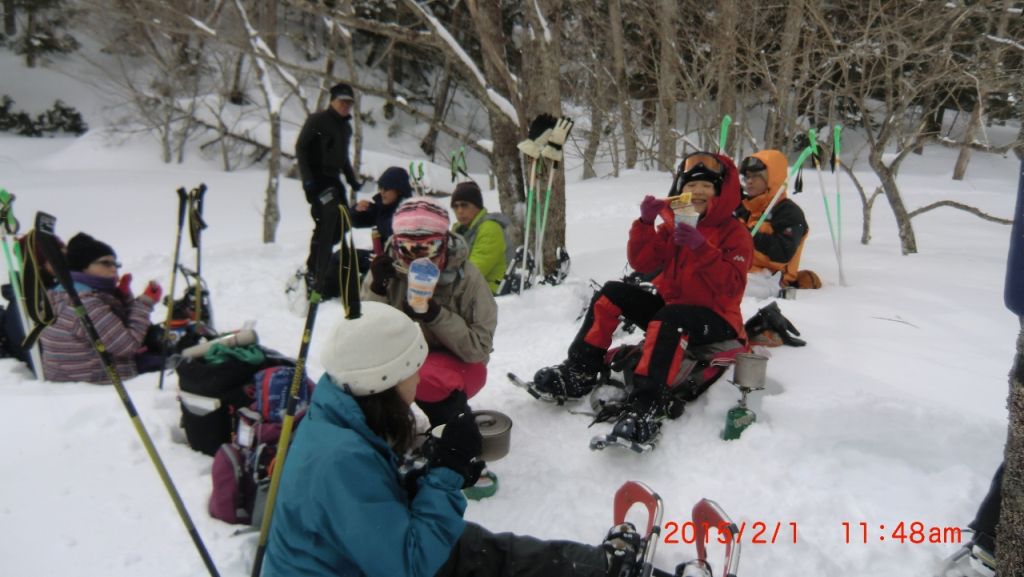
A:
(212, 393)
(501, 219)
(243, 467)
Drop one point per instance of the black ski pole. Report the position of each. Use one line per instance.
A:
(45, 225)
(196, 226)
(331, 212)
(165, 336)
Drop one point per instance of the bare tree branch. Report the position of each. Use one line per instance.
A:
(961, 206)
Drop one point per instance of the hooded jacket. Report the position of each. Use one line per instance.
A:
(712, 276)
(485, 236)
(780, 240)
(469, 316)
(342, 510)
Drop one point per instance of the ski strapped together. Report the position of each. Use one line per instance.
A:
(328, 200)
(9, 227)
(166, 335)
(45, 225)
(196, 226)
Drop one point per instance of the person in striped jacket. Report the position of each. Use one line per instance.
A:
(121, 318)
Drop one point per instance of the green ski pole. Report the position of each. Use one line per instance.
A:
(723, 133)
(824, 198)
(836, 166)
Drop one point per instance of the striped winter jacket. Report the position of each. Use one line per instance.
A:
(67, 353)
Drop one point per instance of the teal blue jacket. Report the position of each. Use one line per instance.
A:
(341, 508)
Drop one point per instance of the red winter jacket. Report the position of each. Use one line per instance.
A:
(715, 274)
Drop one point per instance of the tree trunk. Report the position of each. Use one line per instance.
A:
(505, 164)
(268, 23)
(726, 56)
(962, 159)
(667, 18)
(30, 31)
(1010, 538)
(10, 22)
(784, 88)
(594, 136)
(429, 143)
(271, 212)
(357, 123)
(542, 93)
(621, 83)
(908, 242)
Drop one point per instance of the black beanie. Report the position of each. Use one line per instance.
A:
(83, 250)
(396, 178)
(468, 192)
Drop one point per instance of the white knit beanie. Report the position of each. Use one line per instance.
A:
(375, 352)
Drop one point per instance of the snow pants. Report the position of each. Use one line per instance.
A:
(987, 518)
(480, 553)
(446, 384)
(670, 329)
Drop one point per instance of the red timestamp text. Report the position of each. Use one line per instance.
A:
(757, 532)
(915, 532)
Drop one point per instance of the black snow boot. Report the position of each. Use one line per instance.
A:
(623, 545)
(569, 380)
(446, 409)
(641, 421)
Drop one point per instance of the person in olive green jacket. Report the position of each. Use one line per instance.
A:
(484, 232)
(461, 316)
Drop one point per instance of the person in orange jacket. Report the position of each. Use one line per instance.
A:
(780, 240)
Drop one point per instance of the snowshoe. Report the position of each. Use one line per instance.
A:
(568, 381)
(561, 272)
(514, 281)
(970, 560)
(638, 427)
(295, 292)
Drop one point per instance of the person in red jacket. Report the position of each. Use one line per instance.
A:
(701, 275)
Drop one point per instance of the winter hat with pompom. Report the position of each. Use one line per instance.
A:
(419, 217)
(374, 352)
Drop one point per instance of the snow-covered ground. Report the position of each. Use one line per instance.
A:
(894, 411)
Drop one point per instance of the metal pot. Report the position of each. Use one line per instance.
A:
(496, 430)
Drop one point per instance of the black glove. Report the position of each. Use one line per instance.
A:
(356, 186)
(770, 318)
(433, 309)
(383, 270)
(458, 448)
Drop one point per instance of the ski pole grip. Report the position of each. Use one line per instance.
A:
(182, 201)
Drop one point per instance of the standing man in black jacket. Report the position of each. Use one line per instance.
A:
(322, 152)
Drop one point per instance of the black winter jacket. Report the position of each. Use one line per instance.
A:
(322, 152)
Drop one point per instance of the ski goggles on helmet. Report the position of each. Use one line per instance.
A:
(699, 166)
(752, 165)
(410, 248)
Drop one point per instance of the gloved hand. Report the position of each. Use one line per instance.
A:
(458, 448)
(124, 286)
(383, 270)
(540, 130)
(355, 186)
(553, 149)
(687, 236)
(433, 309)
(310, 187)
(650, 207)
(153, 291)
(770, 318)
